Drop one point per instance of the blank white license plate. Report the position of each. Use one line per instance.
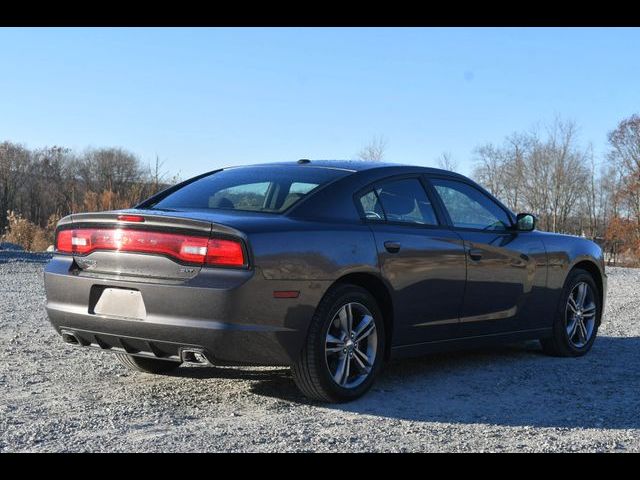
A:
(120, 302)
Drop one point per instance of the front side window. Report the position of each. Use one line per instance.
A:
(403, 201)
(260, 189)
(468, 207)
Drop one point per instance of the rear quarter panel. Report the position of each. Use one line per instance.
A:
(303, 256)
(305, 250)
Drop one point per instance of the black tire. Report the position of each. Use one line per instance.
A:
(560, 344)
(147, 365)
(311, 372)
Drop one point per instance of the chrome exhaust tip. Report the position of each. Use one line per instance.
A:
(69, 337)
(194, 356)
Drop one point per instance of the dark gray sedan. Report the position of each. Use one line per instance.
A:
(330, 267)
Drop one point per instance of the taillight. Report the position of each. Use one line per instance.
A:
(224, 252)
(186, 248)
(63, 241)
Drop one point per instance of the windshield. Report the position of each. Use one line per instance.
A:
(259, 189)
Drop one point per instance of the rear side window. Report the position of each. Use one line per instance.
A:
(371, 206)
(403, 201)
(260, 189)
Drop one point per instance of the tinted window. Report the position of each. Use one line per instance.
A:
(403, 201)
(371, 206)
(264, 189)
(301, 187)
(296, 192)
(468, 207)
(243, 197)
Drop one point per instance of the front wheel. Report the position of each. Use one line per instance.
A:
(344, 348)
(577, 318)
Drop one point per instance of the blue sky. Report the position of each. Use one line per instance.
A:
(205, 98)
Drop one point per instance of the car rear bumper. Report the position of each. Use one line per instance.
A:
(229, 315)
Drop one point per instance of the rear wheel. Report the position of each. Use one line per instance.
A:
(344, 348)
(147, 365)
(577, 318)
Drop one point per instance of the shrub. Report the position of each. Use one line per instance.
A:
(28, 235)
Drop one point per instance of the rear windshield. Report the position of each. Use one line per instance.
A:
(259, 189)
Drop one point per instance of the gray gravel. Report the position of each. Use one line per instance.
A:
(55, 397)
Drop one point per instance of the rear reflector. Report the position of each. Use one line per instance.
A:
(186, 248)
(286, 293)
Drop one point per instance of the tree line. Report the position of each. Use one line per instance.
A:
(545, 171)
(40, 186)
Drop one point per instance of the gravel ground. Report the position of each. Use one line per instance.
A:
(55, 397)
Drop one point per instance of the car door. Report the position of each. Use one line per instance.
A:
(506, 272)
(421, 259)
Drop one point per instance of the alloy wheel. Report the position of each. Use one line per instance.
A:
(580, 315)
(351, 345)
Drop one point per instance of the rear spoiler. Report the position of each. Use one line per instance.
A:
(150, 221)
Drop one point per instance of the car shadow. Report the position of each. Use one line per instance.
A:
(234, 373)
(513, 385)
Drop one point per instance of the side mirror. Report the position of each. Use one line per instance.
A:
(525, 222)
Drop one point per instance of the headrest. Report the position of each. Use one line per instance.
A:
(397, 204)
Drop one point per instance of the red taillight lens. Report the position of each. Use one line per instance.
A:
(224, 252)
(63, 241)
(186, 248)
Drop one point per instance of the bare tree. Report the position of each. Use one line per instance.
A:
(374, 150)
(593, 200)
(490, 169)
(517, 147)
(502, 169)
(536, 181)
(547, 175)
(624, 156)
(52, 168)
(446, 162)
(110, 169)
(156, 173)
(625, 144)
(569, 174)
(15, 163)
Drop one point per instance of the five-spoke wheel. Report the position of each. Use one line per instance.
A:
(580, 314)
(344, 348)
(576, 321)
(351, 345)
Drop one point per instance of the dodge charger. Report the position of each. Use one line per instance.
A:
(329, 267)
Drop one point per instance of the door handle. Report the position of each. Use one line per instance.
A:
(392, 247)
(475, 254)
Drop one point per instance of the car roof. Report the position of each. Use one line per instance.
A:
(350, 165)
